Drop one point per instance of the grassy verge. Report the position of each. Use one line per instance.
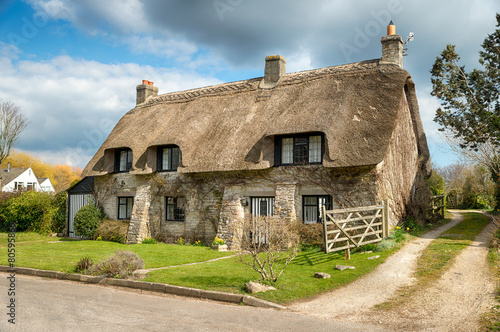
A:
(491, 320)
(50, 253)
(440, 254)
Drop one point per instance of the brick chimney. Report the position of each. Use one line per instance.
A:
(274, 70)
(392, 47)
(145, 90)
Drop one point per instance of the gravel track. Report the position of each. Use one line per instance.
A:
(454, 303)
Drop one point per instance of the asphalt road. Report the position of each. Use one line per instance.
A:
(55, 305)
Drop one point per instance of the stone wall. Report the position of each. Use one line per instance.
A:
(400, 168)
(216, 202)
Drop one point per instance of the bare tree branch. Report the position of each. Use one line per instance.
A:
(12, 124)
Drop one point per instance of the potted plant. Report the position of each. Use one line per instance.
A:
(218, 244)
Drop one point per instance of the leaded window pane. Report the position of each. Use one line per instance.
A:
(315, 149)
(300, 150)
(176, 158)
(166, 165)
(123, 161)
(287, 151)
(175, 208)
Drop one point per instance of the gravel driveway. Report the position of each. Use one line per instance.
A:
(454, 303)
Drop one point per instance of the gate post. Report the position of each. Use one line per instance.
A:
(325, 234)
(385, 219)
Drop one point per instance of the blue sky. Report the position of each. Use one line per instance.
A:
(72, 66)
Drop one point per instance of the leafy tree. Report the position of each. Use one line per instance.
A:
(436, 182)
(469, 100)
(12, 124)
(470, 112)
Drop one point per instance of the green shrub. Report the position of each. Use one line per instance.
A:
(84, 265)
(87, 219)
(59, 217)
(149, 240)
(111, 230)
(33, 211)
(120, 265)
(28, 211)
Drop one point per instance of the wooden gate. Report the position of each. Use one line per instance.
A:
(353, 227)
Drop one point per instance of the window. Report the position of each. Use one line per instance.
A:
(169, 158)
(312, 208)
(30, 186)
(123, 160)
(262, 206)
(299, 150)
(175, 208)
(19, 186)
(125, 207)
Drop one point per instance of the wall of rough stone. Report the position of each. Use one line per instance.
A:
(214, 201)
(400, 168)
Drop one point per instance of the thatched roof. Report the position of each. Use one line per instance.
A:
(232, 126)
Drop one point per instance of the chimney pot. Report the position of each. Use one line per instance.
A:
(145, 91)
(392, 47)
(391, 29)
(274, 70)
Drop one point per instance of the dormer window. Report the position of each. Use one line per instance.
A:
(299, 149)
(123, 160)
(169, 158)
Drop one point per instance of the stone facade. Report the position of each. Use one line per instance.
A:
(217, 203)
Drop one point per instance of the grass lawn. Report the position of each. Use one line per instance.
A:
(297, 282)
(51, 253)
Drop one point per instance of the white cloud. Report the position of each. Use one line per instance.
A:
(73, 104)
(167, 47)
(298, 62)
(95, 16)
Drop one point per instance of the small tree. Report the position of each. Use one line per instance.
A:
(12, 124)
(271, 243)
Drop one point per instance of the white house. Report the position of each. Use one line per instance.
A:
(20, 179)
(46, 185)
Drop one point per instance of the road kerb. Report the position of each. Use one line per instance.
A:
(150, 286)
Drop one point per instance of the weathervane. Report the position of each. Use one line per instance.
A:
(408, 39)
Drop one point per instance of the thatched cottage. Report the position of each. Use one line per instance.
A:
(193, 163)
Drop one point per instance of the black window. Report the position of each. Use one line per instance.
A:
(312, 208)
(175, 208)
(169, 158)
(299, 149)
(123, 160)
(125, 207)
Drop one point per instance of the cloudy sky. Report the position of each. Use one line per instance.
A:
(72, 65)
